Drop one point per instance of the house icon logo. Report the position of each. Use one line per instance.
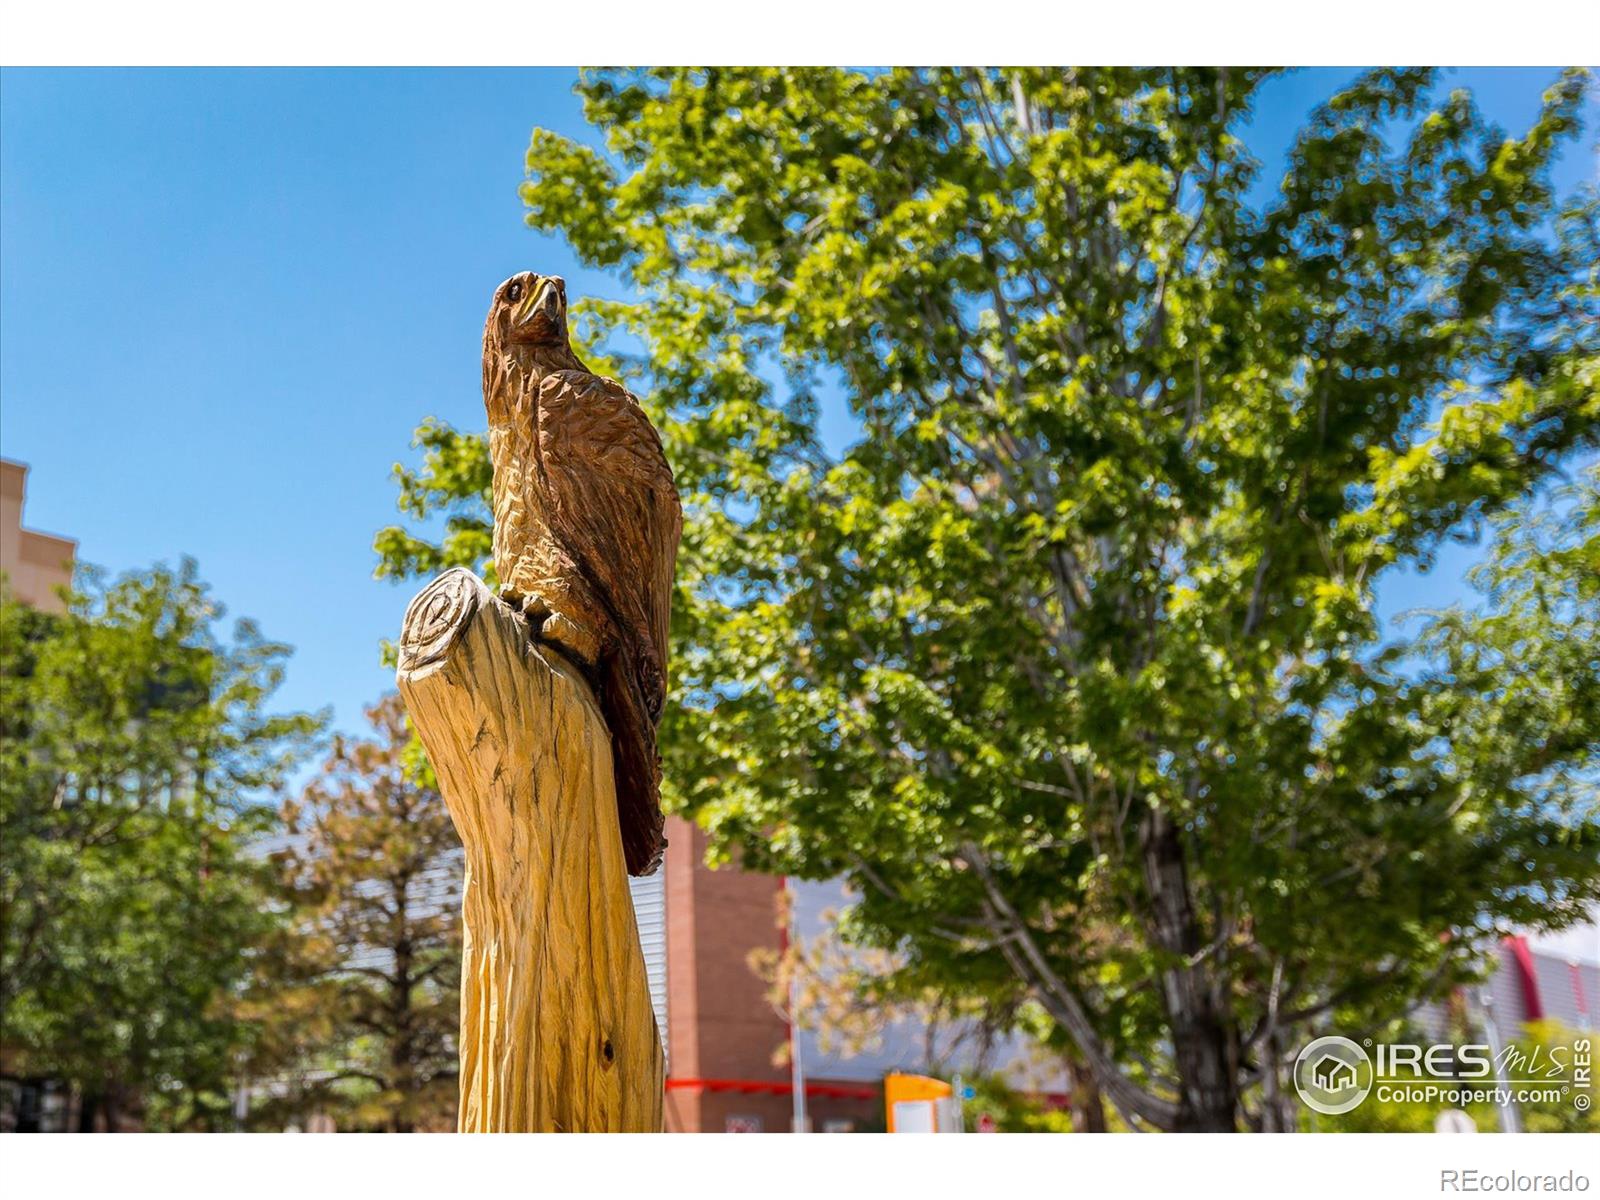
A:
(1333, 1075)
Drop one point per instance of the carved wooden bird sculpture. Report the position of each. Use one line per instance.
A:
(586, 528)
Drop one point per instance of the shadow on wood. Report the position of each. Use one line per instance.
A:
(557, 1032)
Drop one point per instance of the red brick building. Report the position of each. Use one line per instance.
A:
(720, 1030)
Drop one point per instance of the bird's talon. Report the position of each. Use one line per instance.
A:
(566, 635)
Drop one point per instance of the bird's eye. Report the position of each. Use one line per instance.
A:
(514, 292)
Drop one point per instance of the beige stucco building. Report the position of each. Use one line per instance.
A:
(36, 564)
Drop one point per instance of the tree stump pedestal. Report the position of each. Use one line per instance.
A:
(557, 1032)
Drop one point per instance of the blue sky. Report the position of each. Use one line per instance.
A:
(227, 297)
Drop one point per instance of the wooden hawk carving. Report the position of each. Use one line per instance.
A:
(586, 528)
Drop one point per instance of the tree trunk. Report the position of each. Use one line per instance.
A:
(557, 1032)
(1088, 1108)
(89, 1104)
(1279, 1113)
(400, 1055)
(112, 1108)
(1197, 1017)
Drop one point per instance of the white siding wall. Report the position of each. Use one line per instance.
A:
(650, 911)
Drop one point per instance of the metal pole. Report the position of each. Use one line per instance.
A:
(1509, 1121)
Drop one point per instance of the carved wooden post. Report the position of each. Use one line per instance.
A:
(557, 1032)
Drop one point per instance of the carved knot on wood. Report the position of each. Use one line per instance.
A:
(438, 616)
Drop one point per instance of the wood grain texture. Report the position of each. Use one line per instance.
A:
(586, 529)
(557, 1032)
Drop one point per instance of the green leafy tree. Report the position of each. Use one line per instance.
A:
(137, 752)
(1069, 662)
(1514, 679)
(360, 999)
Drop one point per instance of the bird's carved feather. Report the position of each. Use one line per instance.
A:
(586, 528)
(612, 508)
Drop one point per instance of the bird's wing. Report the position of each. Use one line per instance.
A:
(612, 505)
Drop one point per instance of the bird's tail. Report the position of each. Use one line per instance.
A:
(635, 764)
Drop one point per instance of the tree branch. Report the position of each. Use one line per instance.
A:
(1027, 960)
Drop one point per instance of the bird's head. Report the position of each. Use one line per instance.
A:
(529, 310)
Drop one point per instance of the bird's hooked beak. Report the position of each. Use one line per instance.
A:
(542, 308)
